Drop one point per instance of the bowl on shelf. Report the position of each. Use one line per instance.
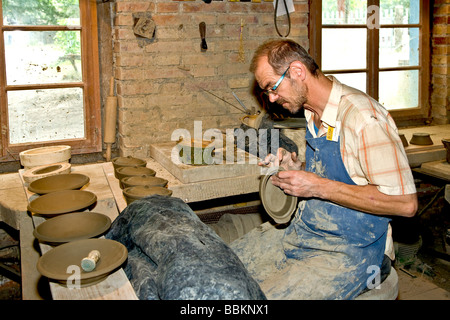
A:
(128, 161)
(143, 180)
(138, 192)
(421, 138)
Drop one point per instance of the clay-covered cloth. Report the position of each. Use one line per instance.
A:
(173, 255)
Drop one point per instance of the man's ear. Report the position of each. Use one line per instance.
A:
(297, 70)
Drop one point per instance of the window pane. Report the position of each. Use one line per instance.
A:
(42, 57)
(344, 12)
(38, 12)
(399, 11)
(399, 89)
(355, 80)
(399, 47)
(45, 115)
(343, 48)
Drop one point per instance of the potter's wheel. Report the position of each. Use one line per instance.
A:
(60, 202)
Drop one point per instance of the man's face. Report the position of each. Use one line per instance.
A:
(290, 94)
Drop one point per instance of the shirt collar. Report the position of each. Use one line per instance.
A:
(329, 114)
(331, 109)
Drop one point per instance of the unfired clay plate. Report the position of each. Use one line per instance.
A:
(55, 263)
(71, 227)
(60, 202)
(279, 205)
(69, 181)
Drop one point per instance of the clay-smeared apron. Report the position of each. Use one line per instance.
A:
(327, 251)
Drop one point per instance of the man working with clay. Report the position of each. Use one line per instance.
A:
(356, 175)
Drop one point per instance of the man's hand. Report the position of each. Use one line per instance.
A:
(284, 159)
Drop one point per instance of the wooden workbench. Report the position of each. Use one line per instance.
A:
(116, 286)
(110, 201)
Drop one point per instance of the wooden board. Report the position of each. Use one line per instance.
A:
(193, 173)
(418, 154)
(437, 133)
(439, 169)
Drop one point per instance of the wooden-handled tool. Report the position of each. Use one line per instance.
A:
(202, 28)
(90, 262)
(110, 120)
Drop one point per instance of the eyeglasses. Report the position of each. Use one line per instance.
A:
(277, 84)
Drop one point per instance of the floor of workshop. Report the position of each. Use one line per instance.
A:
(422, 248)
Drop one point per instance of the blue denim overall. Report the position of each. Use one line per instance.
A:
(326, 252)
(350, 240)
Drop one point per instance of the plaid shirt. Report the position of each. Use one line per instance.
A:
(371, 148)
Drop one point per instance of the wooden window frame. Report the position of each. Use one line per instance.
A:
(89, 84)
(403, 117)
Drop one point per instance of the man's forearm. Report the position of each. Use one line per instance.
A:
(368, 199)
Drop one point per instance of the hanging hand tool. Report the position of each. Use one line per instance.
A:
(288, 17)
(202, 27)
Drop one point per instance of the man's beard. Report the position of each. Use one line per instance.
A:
(300, 98)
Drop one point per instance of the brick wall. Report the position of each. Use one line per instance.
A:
(159, 80)
(440, 62)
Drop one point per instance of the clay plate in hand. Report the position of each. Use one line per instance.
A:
(279, 205)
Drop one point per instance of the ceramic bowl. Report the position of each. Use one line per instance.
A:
(403, 139)
(138, 192)
(60, 202)
(124, 172)
(446, 143)
(45, 155)
(69, 181)
(144, 180)
(71, 227)
(421, 138)
(59, 263)
(129, 161)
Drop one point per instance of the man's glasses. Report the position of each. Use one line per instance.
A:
(277, 84)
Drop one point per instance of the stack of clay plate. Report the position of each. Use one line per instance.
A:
(46, 161)
(136, 180)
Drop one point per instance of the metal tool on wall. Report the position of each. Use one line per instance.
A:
(202, 28)
(110, 120)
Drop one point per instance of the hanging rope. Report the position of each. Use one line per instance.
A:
(288, 17)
